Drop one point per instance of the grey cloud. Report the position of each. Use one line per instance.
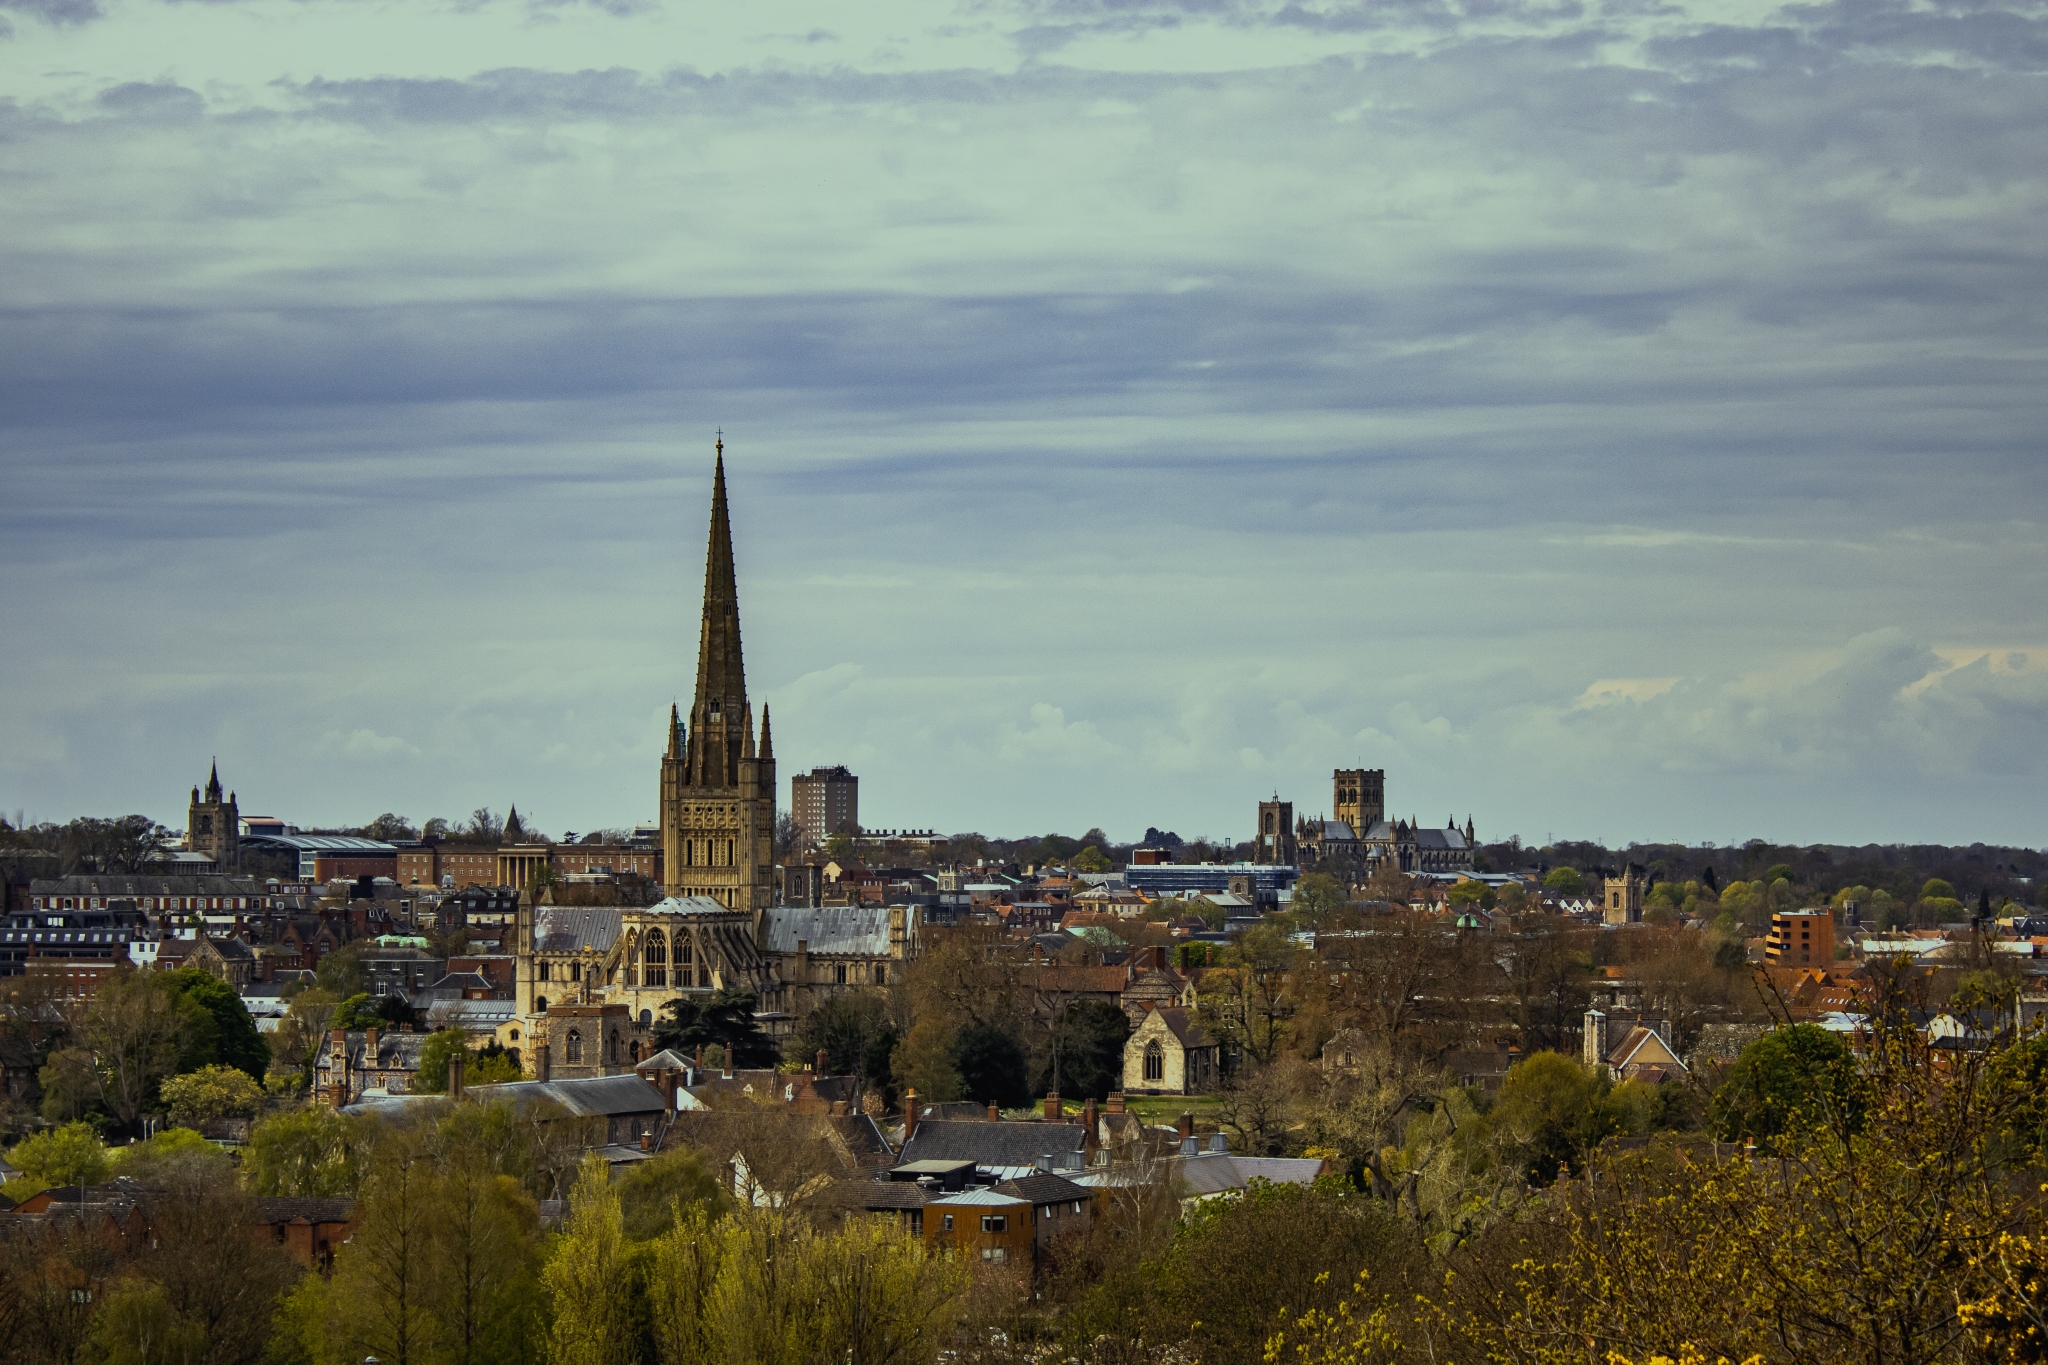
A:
(56, 11)
(154, 100)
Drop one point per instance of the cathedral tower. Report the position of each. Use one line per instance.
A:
(213, 825)
(717, 785)
(1360, 798)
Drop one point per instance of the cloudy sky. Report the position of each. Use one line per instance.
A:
(1616, 419)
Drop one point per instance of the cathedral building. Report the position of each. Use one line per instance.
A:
(1360, 839)
(592, 980)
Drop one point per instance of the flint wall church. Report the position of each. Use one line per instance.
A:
(592, 980)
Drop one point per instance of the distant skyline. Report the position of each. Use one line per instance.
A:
(1618, 422)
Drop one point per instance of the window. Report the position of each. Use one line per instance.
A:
(995, 1222)
(1155, 1062)
(946, 1224)
(572, 1047)
(994, 1254)
(543, 972)
(881, 974)
(575, 971)
(683, 953)
(655, 958)
(839, 974)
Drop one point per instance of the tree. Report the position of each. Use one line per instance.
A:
(482, 1277)
(303, 1030)
(925, 1061)
(210, 1093)
(1317, 897)
(431, 1075)
(790, 838)
(725, 1020)
(586, 1274)
(71, 1155)
(217, 1281)
(879, 1299)
(485, 827)
(1788, 1080)
(1548, 1113)
(436, 828)
(128, 843)
(654, 1194)
(309, 1153)
(1092, 860)
(135, 1031)
(1566, 881)
(1085, 1049)
(236, 1042)
(389, 826)
(991, 1065)
(854, 1031)
(380, 1301)
(340, 973)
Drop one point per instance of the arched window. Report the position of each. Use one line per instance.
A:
(654, 960)
(881, 974)
(540, 1004)
(1155, 1061)
(683, 958)
(572, 1047)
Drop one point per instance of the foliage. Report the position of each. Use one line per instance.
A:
(71, 1155)
(1567, 881)
(138, 1030)
(991, 1066)
(1092, 860)
(340, 973)
(726, 1019)
(653, 1194)
(854, 1031)
(136, 1325)
(431, 1077)
(1359, 1331)
(1788, 1080)
(1550, 1112)
(1317, 897)
(586, 1274)
(310, 1153)
(365, 1011)
(924, 1061)
(236, 1042)
(212, 1092)
(1085, 1050)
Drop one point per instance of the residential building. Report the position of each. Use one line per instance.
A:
(825, 802)
(1801, 938)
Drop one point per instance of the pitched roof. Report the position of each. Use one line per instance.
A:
(1079, 980)
(849, 930)
(275, 1209)
(1043, 1188)
(584, 1097)
(992, 1144)
(572, 928)
(1183, 1026)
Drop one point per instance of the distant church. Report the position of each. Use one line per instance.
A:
(213, 825)
(1358, 839)
(592, 980)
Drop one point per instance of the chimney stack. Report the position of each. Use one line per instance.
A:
(992, 1115)
(369, 1049)
(541, 1069)
(1052, 1106)
(1187, 1123)
(821, 1061)
(1116, 1103)
(909, 1115)
(668, 1093)
(458, 1065)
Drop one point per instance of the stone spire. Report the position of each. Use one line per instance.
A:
(213, 782)
(715, 716)
(767, 739)
(675, 731)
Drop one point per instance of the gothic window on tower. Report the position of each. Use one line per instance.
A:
(572, 1047)
(654, 970)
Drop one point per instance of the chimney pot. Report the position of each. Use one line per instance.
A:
(647, 1142)
(909, 1115)
(821, 1061)
(1052, 1106)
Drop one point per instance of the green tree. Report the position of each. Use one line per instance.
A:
(653, 1194)
(1549, 1112)
(1085, 1050)
(1934, 888)
(1317, 897)
(132, 1037)
(212, 1092)
(381, 1301)
(71, 1155)
(215, 1277)
(340, 973)
(1092, 860)
(854, 1031)
(236, 1042)
(1566, 881)
(431, 1077)
(726, 1019)
(879, 1300)
(310, 1153)
(925, 1061)
(991, 1065)
(482, 1278)
(586, 1274)
(1789, 1080)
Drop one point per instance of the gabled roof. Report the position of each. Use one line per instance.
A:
(586, 1097)
(992, 1144)
(1643, 1047)
(850, 930)
(983, 1198)
(1043, 1188)
(572, 928)
(1182, 1025)
(275, 1209)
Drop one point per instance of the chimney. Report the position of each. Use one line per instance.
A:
(1116, 1104)
(668, 1093)
(458, 1064)
(992, 1115)
(647, 1142)
(1052, 1106)
(821, 1061)
(909, 1115)
(369, 1049)
(1187, 1124)
(541, 1069)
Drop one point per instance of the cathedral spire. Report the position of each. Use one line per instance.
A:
(715, 715)
(767, 739)
(213, 782)
(675, 731)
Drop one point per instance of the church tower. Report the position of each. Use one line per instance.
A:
(717, 785)
(1359, 798)
(213, 825)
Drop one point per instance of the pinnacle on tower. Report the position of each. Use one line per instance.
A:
(747, 733)
(767, 740)
(675, 731)
(213, 782)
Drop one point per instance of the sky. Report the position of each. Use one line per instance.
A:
(1615, 419)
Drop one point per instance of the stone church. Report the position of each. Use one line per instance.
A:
(1359, 839)
(605, 972)
(213, 825)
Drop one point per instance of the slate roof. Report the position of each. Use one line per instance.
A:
(844, 930)
(992, 1144)
(584, 1097)
(892, 1194)
(1219, 1173)
(572, 928)
(1079, 980)
(1184, 1028)
(1043, 1189)
(688, 905)
(981, 1197)
(283, 1209)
